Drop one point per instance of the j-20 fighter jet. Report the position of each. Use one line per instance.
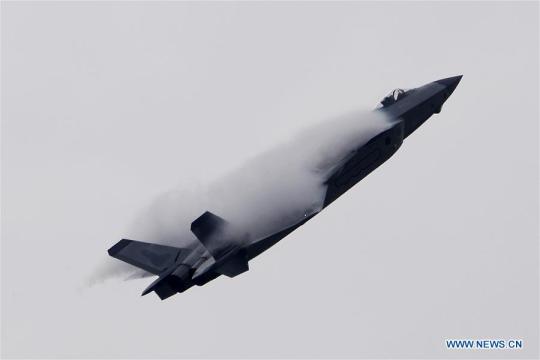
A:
(221, 249)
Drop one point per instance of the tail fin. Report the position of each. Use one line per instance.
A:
(153, 258)
(210, 230)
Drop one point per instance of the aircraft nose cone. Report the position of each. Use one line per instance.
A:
(450, 83)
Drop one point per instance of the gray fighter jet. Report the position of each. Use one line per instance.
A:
(223, 249)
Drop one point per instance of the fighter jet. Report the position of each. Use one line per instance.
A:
(223, 249)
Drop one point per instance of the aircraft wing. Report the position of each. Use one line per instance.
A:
(153, 258)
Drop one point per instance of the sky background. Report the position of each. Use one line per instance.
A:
(107, 105)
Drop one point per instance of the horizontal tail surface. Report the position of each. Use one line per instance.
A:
(153, 258)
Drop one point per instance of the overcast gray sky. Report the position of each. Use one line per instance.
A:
(107, 105)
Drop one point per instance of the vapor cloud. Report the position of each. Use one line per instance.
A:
(272, 190)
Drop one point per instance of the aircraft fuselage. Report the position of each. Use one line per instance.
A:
(179, 269)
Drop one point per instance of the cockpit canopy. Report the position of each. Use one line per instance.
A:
(394, 96)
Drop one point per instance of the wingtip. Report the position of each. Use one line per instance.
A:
(116, 248)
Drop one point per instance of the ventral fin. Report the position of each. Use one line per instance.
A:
(236, 265)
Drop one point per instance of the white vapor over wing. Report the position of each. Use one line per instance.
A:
(269, 192)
